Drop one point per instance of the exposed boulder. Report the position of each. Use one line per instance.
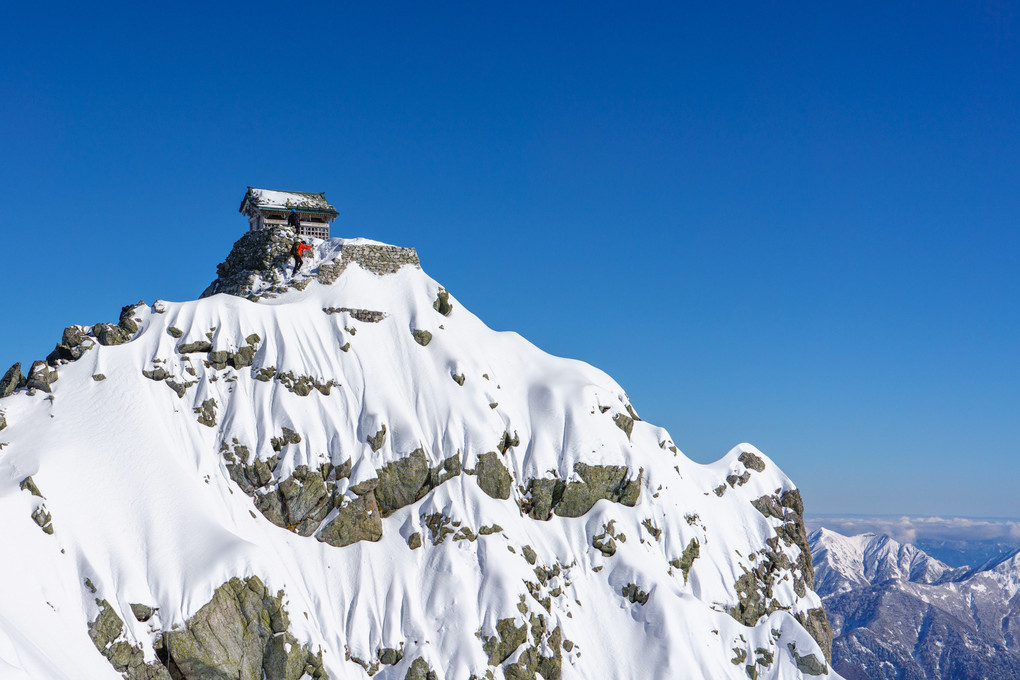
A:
(127, 320)
(357, 520)
(608, 482)
(157, 374)
(807, 664)
(142, 612)
(493, 477)
(751, 461)
(11, 381)
(73, 344)
(28, 484)
(505, 642)
(366, 315)
(376, 441)
(442, 303)
(243, 357)
(423, 338)
(420, 670)
(218, 359)
(207, 412)
(106, 632)
(41, 377)
(598, 482)
(194, 347)
(686, 559)
(624, 422)
(299, 502)
(241, 633)
(108, 334)
(407, 480)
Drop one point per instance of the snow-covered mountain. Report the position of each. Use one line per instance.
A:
(898, 613)
(843, 563)
(345, 473)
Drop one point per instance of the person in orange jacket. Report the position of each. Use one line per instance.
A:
(297, 250)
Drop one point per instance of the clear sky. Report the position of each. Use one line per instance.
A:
(793, 224)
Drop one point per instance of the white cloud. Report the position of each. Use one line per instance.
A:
(906, 529)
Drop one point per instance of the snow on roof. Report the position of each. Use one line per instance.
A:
(285, 200)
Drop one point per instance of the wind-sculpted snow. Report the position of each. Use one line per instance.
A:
(469, 506)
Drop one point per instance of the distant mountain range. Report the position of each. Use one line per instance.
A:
(897, 613)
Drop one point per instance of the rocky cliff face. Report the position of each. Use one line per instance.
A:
(899, 613)
(344, 474)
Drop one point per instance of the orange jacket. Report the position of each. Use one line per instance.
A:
(300, 249)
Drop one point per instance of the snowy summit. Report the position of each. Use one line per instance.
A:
(345, 473)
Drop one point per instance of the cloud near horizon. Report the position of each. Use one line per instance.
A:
(907, 529)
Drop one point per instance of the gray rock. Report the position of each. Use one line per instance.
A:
(11, 380)
(219, 359)
(41, 516)
(493, 477)
(686, 559)
(157, 374)
(280, 664)
(543, 496)
(358, 520)
(179, 387)
(243, 357)
(142, 612)
(751, 461)
(442, 303)
(508, 638)
(127, 321)
(632, 592)
(227, 638)
(420, 670)
(388, 656)
(809, 663)
(401, 482)
(407, 480)
(73, 336)
(422, 337)
(376, 441)
(28, 484)
(41, 377)
(625, 423)
(106, 627)
(207, 413)
(108, 334)
(194, 347)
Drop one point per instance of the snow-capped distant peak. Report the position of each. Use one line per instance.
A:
(844, 562)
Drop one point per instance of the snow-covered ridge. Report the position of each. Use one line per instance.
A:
(846, 562)
(401, 489)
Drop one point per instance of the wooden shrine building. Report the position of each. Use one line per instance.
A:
(267, 208)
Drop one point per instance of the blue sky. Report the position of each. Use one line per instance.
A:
(793, 224)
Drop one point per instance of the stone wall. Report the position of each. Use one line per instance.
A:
(380, 259)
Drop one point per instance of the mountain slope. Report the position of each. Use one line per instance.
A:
(347, 473)
(899, 613)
